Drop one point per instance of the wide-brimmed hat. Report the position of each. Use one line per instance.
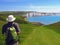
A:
(11, 18)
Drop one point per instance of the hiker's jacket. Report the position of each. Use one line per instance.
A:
(5, 30)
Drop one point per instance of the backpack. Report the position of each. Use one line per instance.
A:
(13, 33)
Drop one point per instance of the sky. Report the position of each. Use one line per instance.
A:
(30, 5)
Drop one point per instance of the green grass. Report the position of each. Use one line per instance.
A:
(2, 38)
(42, 36)
(34, 35)
(26, 29)
(55, 27)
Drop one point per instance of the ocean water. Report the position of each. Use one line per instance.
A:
(45, 19)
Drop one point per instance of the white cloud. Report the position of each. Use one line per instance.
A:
(44, 8)
(35, 8)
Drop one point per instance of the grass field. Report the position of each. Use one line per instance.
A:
(35, 35)
(42, 36)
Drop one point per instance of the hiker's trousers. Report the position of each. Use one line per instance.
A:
(17, 43)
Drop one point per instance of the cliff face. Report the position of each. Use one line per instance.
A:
(32, 14)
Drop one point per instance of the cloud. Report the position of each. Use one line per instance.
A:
(32, 8)
(44, 8)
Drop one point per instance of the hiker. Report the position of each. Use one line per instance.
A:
(12, 31)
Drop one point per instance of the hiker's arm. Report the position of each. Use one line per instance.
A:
(3, 32)
(3, 29)
(18, 33)
(18, 36)
(18, 30)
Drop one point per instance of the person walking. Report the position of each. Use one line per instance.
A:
(12, 31)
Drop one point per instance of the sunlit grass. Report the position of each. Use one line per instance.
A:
(42, 36)
(34, 35)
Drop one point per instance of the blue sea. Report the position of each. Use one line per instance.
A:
(45, 19)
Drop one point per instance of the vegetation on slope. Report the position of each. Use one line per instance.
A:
(55, 27)
(34, 35)
(42, 36)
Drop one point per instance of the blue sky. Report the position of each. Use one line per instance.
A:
(30, 5)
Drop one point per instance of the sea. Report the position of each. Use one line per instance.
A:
(46, 20)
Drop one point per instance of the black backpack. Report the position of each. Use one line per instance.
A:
(13, 32)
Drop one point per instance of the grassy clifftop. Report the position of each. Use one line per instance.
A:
(55, 27)
(42, 36)
(34, 35)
